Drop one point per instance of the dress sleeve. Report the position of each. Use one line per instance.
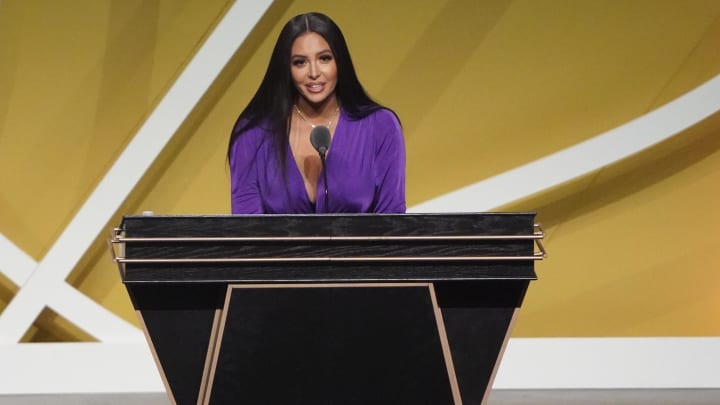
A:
(390, 164)
(244, 180)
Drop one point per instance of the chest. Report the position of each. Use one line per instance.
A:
(350, 172)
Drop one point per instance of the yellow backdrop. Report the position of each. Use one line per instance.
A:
(481, 87)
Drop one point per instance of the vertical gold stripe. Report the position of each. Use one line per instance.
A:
(212, 342)
(445, 347)
(209, 374)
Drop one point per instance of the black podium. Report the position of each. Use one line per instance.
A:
(328, 309)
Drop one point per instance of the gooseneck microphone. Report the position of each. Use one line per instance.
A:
(320, 140)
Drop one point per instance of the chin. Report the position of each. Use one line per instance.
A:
(316, 99)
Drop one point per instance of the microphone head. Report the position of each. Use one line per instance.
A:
(320, 139)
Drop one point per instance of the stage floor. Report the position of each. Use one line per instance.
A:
(498, 397)
(605, 397)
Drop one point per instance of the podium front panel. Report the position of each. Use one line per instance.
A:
(330, 344)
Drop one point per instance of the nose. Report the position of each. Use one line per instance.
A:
(314, 71)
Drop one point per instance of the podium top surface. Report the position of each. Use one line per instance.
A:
(512, 223)
(327, 248)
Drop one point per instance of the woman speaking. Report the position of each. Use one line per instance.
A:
(311, 90)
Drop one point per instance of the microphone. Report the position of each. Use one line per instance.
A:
(320, 140)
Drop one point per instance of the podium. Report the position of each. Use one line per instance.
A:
(328, 309)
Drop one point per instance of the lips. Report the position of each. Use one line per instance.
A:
(315, 87)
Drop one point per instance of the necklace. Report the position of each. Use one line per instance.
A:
(302, 116)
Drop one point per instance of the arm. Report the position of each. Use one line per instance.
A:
(390, 164)
(244, 187)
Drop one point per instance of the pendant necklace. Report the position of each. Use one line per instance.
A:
(302, 116)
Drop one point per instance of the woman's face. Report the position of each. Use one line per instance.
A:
(313, 69)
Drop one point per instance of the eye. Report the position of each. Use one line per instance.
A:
(326, 57)
(298, 62)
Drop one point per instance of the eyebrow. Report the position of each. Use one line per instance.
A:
(324, 51)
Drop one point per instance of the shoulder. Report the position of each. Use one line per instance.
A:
(381, 120)
(386, 124)
(248, 141)
(384, 115)
(384, 130)
(255, 134)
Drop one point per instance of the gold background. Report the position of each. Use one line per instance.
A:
(481, 87)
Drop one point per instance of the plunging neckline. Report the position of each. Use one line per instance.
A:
(319, 190)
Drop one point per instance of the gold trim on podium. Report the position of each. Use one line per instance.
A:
(156, 358)
(209, 355)
(117, 239)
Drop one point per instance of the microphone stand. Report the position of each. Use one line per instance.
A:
(320, 140)
(323, 151)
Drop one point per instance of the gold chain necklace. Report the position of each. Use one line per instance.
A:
(302, 116)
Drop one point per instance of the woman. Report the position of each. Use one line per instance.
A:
(311, 81)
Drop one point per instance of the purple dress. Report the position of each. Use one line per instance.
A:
(365, 171)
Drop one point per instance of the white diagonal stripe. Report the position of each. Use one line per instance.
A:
(14, 262)
(66, 300)
(583, 158)
(112, 190)
(88, 315)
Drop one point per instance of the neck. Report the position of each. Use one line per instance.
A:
(325, 110)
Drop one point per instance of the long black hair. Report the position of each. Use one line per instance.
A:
(271, 106)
